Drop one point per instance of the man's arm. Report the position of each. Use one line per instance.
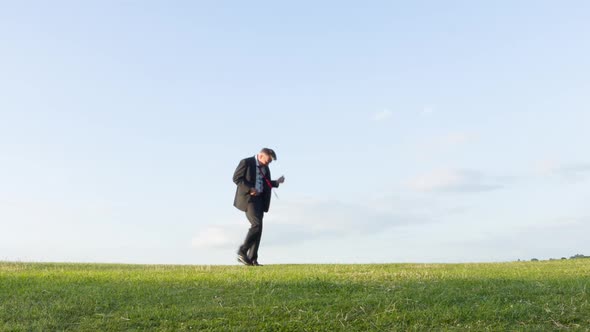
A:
(276, 183)
(244, 186)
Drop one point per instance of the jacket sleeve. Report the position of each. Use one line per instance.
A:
(244, 186)
(274, 183)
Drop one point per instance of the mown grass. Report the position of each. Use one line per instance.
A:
(549, 295)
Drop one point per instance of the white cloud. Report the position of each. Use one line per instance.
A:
(427, 110)
(542, 239)
(319, 216)
(551, 224)
(294, 220)
(382, 115)
(309, 218)
(457, 138)
(572, 172)
(222, 236)
(297, 220)
(446, 142)
(546, 167)
(576, 171)
(454, 181)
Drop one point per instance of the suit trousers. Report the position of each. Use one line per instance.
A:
(254, 213)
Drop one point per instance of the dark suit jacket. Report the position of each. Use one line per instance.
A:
(245, 179)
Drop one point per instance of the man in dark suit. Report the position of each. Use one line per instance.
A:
(254, 186)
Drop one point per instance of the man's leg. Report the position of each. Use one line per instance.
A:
(253, 253)
(254, 214)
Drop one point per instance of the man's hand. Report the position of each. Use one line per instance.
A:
(253, 192)
(281, 179)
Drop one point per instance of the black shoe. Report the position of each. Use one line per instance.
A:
(244, 260)
(255, 263)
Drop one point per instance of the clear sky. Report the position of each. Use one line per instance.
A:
(423, 131)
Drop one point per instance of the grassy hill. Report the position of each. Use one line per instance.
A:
(547, 295)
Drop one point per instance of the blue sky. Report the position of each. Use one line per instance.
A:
(407, 132)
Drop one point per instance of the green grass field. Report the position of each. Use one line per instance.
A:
(549, 295)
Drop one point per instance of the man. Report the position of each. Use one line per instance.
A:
(254, 186)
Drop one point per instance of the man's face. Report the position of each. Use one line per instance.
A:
(264, 159)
